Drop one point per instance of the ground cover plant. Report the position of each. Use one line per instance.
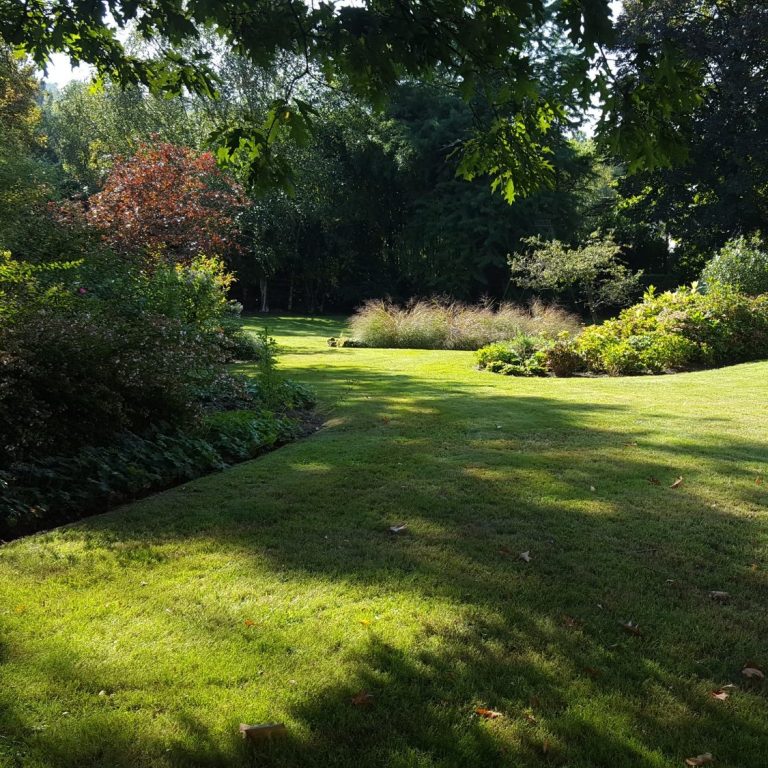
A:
(453, 325)
(585, 557)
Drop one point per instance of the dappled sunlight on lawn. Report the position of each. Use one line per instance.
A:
(275, 591)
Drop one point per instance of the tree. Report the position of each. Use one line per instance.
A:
(741, 264)
(592, 274)
(718, 188)
(168, 202)
(89, 128)
(485, 49)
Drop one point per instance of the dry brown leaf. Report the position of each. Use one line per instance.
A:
(526, 556)
(363, 699)
(677, 482)
(631, 628)
(753, 673)
(506, 551)
(719, 596)
(399, 528)
(249, 623)
(593, 672)
(758, 480)
(705, 759)
(262, 731)
(720, 694)
(654, 481)
(571, 623)
(489, 714)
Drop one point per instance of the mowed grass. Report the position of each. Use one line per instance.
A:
(274, 592)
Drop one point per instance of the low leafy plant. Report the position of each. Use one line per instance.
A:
(522, 356)
(56, 489)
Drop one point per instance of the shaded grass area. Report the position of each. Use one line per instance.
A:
(274, 591)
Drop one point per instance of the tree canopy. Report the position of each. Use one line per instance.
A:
(487, 51)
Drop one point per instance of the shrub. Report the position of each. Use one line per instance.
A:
(440, 325)
(742, 264)
(522, 356)
(562, 357)
(592, 273)
(679, 330)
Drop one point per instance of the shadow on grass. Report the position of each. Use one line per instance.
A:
(478, 482)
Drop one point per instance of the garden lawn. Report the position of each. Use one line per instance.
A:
(274, 592)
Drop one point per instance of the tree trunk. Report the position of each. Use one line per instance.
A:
(290, 294)
(263, 290)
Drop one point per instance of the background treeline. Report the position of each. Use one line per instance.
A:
(376, 210)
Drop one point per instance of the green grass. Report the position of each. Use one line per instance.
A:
(274, 591)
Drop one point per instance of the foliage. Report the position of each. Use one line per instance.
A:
(490, 52)
(531, 356)
(679, 330)
(592, 273)
(453, 325)
(741, 264)
(88, 129)
(563, 358)
(100, 346)
(167, 202)
(718, 48)
(56, 489)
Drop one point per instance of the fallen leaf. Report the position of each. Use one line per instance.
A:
(720, 597)
(753, 673)
(489, 714)
(758, 480)
(530, 717)
(719, 694)
(249, 623)
(705, 759)
(571, 623)
(593, 672)
(506, 551)
(365, 622)
(399, 528)
(262, 731)
(592, 488)
(677, 482)
(526, 556)
(363, 699)
(654, 481)
(631, 628)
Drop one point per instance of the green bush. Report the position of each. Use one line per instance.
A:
(521, 356)
(679, 330)
(742, 264)
(86, 355)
